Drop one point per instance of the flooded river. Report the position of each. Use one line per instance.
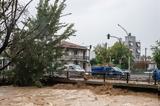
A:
(62, 95)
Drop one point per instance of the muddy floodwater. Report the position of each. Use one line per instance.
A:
(69, 95)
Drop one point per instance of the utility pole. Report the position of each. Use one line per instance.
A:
(145, 59)
(129, 63)
(129, 58)
(149, 79)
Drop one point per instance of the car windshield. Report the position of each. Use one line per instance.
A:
(77, 67)
(117, 69)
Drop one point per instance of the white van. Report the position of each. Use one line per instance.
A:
(74, 70)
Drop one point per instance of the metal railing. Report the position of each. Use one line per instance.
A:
(75, 57)
(127, 78)
(98, 76)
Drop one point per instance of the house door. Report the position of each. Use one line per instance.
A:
(84, 66)
(76, 62)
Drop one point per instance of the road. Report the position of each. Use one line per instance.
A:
(140, 77)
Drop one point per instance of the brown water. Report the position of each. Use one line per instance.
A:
(51, 96)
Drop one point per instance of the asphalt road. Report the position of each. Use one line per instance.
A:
(143, 77)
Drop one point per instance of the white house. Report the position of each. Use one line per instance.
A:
(76, 54)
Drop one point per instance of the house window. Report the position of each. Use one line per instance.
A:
(68, 52)
(75, 52)
(84, 54)
(130, 43)
(76, 62)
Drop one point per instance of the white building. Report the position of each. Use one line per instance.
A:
(73, 54)
(76, 54)
(134, 46)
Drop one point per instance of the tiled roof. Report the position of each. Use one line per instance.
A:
(66, 44)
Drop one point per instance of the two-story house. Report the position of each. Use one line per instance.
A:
(75, 54)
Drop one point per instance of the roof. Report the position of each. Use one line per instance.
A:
(66, 44)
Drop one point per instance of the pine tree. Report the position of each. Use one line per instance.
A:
(41, 51)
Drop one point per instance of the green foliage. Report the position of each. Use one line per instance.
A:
(102, 54)
(118, 54)
(156, 53)
(40, 51)
(121, 53)
(38, 84)
(93, 61)
(8, 75)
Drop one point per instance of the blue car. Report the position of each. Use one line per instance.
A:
(109, 71)
(156, 75)
(100, 69)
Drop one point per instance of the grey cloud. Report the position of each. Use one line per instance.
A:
(95, 18)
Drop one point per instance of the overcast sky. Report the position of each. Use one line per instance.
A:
(94, 19)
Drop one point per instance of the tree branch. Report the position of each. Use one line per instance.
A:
(23, 10)
(11, 26)
(5, 66)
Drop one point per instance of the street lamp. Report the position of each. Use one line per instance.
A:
(128, 34)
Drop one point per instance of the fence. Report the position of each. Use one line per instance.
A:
(127, 78)
(98, 76)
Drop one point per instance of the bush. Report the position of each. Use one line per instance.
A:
(38, 84)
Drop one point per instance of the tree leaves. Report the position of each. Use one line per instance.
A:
(117, 54)
(156, 53)
(41, 53)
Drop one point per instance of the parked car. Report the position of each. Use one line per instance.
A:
(109, 71)
(156, 75)
(74, 70)
(100, 69)
(115, 72)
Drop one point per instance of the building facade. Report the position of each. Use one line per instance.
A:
(134, 46)
(75, 54)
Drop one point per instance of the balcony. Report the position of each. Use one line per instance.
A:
(75, 57)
